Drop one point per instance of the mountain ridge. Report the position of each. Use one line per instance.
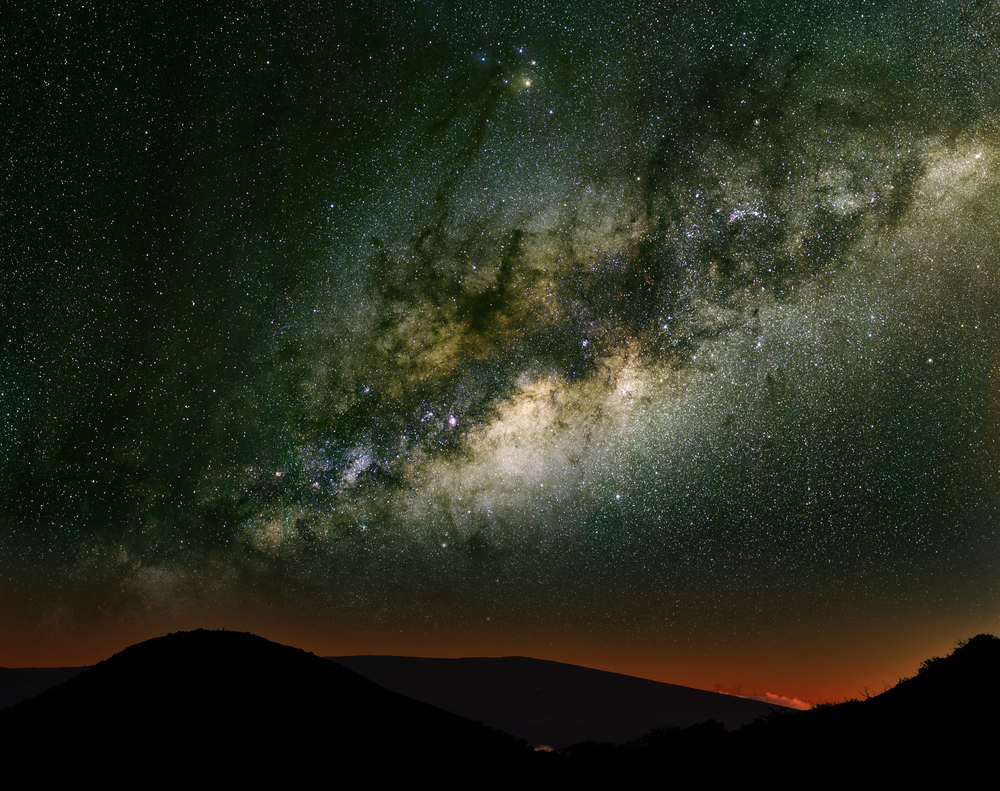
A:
(247, 708)
(553, 703)
(230, 706)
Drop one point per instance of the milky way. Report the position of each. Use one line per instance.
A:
(647, 330)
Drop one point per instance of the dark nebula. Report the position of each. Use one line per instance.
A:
(660, 336)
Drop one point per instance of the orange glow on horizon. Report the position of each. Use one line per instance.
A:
(795, 671)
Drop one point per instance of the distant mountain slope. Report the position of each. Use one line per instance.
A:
(22, 683)
(228, 706)
(552, 703)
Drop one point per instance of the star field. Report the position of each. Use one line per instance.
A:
(641, 335)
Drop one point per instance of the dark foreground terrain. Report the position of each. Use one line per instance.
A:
(233, 707)
(928, 731)
(230, 706)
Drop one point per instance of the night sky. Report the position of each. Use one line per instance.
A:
(655, 337)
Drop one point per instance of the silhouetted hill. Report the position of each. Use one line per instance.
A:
(209, 707)
(971, 670)
(552, 703)
(228, 706)
(929, 731)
